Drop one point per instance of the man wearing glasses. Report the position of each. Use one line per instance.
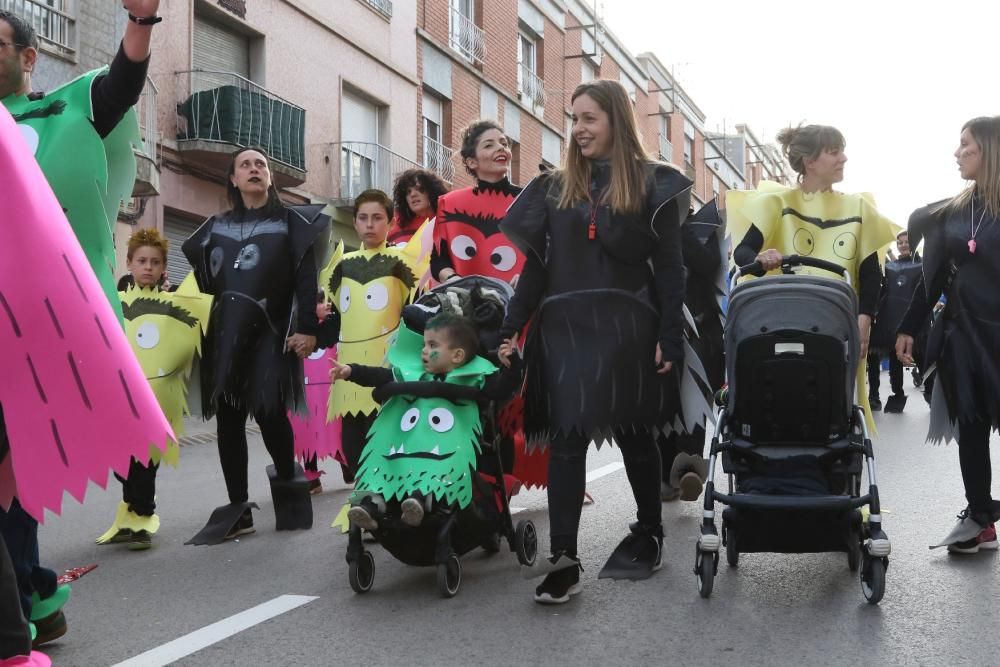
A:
(81, 135)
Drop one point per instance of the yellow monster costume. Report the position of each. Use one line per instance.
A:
(369, 288)
(164, 330)
(840, 228)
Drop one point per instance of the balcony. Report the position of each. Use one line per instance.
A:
(55, 26)
(360, 165)
(383, 7)
(530, 87)
(147, 176)
(437, 158)
(666, 149)
(224, 112)
(466, 37)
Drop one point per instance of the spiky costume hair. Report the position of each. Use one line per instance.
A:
(366, 269)
(144, 306)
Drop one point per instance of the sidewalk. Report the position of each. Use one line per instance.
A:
(200, 432)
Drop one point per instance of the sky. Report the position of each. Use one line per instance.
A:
(898, 79)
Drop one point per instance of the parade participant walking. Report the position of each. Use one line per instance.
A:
(813, 219)
(467, 239)
(901, 277)
(603, 244)
(961, 248)
(257, 260)
(415, 197)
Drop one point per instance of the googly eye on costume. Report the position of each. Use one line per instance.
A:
(147, 336)
(463, 247)
(345, 299)
(441, 420)
(804, 242)
(845, 245)
(409, 420)
(215, 260)
(377, 296)
(503, 258)
(31, 137)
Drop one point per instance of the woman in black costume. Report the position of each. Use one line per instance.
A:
(257, 260)
(604, 286)
(961, 250)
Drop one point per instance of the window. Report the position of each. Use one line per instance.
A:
(464, 35)
(551, 147)
(515, 162)
(688, 150)
(53, 20)
(489, 103)
(437, 157)
(716, 185)
(588, 70)
(629, 85)
(219, 51)
(433, 117)
(383, 7)
(665, 126)
(529, 83)
(359, 132)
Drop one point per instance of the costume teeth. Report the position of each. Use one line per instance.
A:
(392, 451)
(160, 372)
(400, 450)
(435, 451)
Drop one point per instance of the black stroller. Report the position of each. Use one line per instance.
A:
(448, 532)
(791, 438)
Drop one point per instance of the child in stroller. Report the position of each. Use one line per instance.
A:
(420, 488)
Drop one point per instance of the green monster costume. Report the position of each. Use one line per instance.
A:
(90, 176)
(423, 445)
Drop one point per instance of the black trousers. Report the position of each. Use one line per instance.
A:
(15, 636)
(353, 436)
(875, 372)
(974, 459)
(20, 532)
(231, 423)
(139, 488)
(568, 479)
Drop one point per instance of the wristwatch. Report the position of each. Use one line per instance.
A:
(144, 20)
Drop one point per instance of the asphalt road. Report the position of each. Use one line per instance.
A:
(772, 610)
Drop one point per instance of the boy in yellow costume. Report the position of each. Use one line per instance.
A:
(164, 329)
(815, 221)
(369, 288)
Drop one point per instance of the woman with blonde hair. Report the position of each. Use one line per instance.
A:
(961, 244)
(603, 285)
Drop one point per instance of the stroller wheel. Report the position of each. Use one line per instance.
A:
(704, 569)
(732, 548)
(361, 573)
(491, 544)
(449, 576)
(873, 579)
(526, 542)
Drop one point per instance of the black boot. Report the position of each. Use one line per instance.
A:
(638, 555)
(292, 501)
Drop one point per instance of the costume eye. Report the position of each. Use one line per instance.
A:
(463, 247)
(377, 296)
(410, 419)
(803, 242)
(845, 246)
(318, 354)
(30, 137)
(147, 336)
(441, 420)
(345, 299)
(503, 258)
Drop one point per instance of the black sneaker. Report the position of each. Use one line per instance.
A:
(559, 586)
(244, 526)
(875, 404)
(141, 540)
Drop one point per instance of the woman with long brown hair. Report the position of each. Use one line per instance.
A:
(960, 261)
(604, 286)
(415, 196)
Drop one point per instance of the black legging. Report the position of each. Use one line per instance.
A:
(276, 431)
(568, 481)
(875, 372)
(974, 459)
(15, 637)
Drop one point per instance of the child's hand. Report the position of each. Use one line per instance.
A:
(505, 350)
(339, 371)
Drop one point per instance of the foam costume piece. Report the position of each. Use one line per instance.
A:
(468, 223)
(222, 519)
(840, 228)
(423, 445)
(34, 659)
(292, 502)
(89, 175)
(127, 520)
(75, 400)
(369, 289)
(314, 435)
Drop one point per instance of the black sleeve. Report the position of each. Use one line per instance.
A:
(527, 296)
(114, 93)
(869, 285)
(305, 293)
(328, 332)
(668, 274)
(504, 383)
(699, 258)
(921, 304)
(748, 249)
(370, 376)
(441, 259)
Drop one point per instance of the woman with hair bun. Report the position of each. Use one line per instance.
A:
(961, 245)
(814, 220)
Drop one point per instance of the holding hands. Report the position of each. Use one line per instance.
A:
(339, 371)
(506, 349)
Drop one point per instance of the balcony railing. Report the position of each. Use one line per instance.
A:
(383, 7)
(666, 149)
(530, 86)
(361, 165)
(51, 20)
(225, 108)
(466, 37)
(148, 131)
(437, 158)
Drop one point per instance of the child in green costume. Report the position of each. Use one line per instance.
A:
(423, 449)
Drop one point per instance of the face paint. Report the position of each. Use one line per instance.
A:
(434, 355)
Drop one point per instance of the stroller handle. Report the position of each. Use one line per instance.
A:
(787, 263)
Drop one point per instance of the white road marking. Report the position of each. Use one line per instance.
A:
(604, 471)
(216, 632)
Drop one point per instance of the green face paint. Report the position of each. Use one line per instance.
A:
(434, 355)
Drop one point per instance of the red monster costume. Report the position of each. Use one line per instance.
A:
(398, 234)
(468, 238)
